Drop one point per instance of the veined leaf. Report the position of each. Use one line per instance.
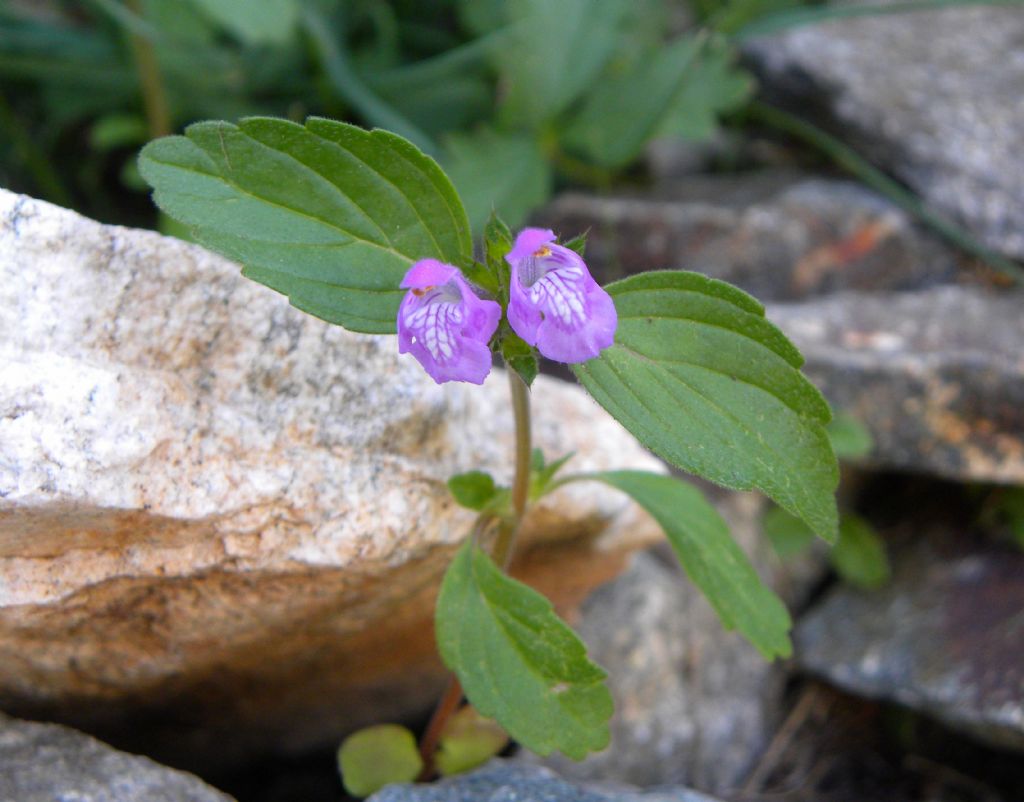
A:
(710, 557)
(327, 213)
(517, 661)
(702, 379)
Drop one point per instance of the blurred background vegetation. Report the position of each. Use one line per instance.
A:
(514, 98)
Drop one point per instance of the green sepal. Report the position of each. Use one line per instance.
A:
(519, 356)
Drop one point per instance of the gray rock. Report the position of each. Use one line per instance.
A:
(504, 781)
(694, 704)
(937, 375)
(223, 522)
(945, 637)
(934, 96)
(780, 236)
(47, 762)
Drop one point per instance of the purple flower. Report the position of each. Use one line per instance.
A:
(554, 303)
(445, 325)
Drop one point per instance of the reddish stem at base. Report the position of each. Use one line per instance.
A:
(448, 704)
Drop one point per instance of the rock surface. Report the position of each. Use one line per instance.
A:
(933, 96)
(503, 781)
(222, 522)
(47, 762)
(694, 704)
(937, 375)
(778, 235)
(944, 637)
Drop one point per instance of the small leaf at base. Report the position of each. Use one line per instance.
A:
(473, 489)
(517, 661)
(468, 740)
(859, 557)
(377, 756)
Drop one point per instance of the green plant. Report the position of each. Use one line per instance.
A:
(363, 230)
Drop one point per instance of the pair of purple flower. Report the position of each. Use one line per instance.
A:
(554, 304)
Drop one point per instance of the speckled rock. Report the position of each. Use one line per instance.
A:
(226, 520)
(47, 762)
(694, 704)
(945, 637)
(934, 96)
(937, 375)
(504, 781)
(778, 235)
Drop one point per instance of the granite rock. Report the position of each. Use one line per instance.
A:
(937, 375)
(47, 762)
(222, 522)
(779, 235)
(504, 781)
(945, 638)
(933, 96)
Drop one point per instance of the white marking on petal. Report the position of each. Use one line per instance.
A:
(559, 290)
(435, 320)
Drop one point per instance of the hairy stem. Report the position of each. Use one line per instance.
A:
(501, 555)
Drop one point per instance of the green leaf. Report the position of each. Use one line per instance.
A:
(517, 661)
(499, 172)
(259, 22)
(623, 111)
(702, 379)
(850, 438)
(473, 489)
(326, 213)
(377, 756)
(520, 357)
(788, 534)
(710, 557)
(713, 86)
(554, 54)
(859, 556)
(497, 243)
(468, 740)
(578, 243)
(543, 473)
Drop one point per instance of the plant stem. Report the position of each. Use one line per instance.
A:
(154, 97)
(502, 553)
(446, 707)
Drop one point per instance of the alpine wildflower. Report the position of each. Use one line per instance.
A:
(445, 325)
(554, 302)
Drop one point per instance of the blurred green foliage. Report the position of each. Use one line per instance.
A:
(512, 97)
